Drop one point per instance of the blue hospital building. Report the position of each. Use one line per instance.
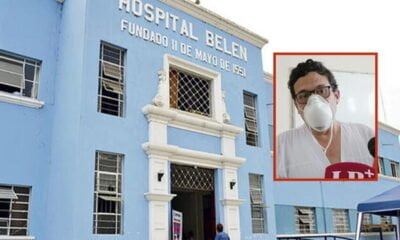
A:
(115, 113)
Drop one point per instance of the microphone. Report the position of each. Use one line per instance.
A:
(371, 146)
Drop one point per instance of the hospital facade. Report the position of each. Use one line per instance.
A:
(116, 112)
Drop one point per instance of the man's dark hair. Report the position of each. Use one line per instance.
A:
(306, 67)
(220, 227)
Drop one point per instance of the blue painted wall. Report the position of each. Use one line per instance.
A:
(30, 29)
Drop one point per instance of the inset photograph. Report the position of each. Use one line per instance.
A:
(326, 116)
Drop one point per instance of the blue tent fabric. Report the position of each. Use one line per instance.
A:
(386, 203)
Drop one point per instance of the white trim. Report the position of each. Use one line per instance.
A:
(232, 202)
(159, 197)
(177, 154)
(389, 128)
(217, 21)
(190, 121)
(17, 238)
(396, 179)
(20, 100)
(314, 234)
(60, 1)
(216, 103)
(268, 77)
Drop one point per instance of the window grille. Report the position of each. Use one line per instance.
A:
(258, 215)
(341, 220)
(189, 93)
(394, 166)
(305, 220)
(19, 75)
(14, 207)
(107, 194)
(250, 116)
(386, 220)
(111, 80)
(367, 219)
(191, 178)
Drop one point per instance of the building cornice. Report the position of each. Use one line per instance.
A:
(217, 21)
(389, 128)
(268, 77)
(159, 197)
(232, 202)
(187, 156)
(190, 121)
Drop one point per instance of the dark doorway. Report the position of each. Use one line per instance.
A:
(194, 189)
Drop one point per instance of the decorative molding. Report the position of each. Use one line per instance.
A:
(225, 115)
(217, 21)
(20, 100)
(232, 202)
(190, 121)
(389, 128)
(17, 238)
(60, 1)
(268, 77)
(159, 197)
(160, 99)
(395, 179)
(187, 156)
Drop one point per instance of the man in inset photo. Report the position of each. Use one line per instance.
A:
(322, 140)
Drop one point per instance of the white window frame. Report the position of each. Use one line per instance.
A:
(257, 201)
(204, 73)
(18, 97)
(341, 220)
(107, 195)
(250, 119)
(394, 169)
(12, 201)
(305, 215)
(381, 165)
(110, 70)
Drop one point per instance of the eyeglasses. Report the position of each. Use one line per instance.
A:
(323, 91)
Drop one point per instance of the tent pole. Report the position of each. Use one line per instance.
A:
(359, 223)
(398, 226)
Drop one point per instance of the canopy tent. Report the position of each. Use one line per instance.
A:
(386, 204)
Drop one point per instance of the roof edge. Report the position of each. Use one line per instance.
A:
(217, 21)
(389, 128)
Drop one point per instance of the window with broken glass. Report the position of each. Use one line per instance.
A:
(305, 220)
(258, 214)
(341, 220)
(107, 194)
(189, 92)
(14, 207)
(19, 75)
(250, 116)
(111, 80)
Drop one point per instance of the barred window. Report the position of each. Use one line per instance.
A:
(19, 75)
(367, 219)
(258, 216)
(14, 206)
(107, 194)
(341, 220)
(111, 80)
(305, 220)
(386, 220)
(394, 166)
(189, 92)
(250, 116)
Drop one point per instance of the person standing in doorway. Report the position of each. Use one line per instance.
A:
(221, 235)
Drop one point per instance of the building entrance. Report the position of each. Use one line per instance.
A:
(194, 189)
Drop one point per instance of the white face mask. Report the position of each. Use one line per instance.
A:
(318, 113)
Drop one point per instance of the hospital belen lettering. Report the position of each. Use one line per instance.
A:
(176, 24)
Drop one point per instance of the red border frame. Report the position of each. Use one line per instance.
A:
(375, 54)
